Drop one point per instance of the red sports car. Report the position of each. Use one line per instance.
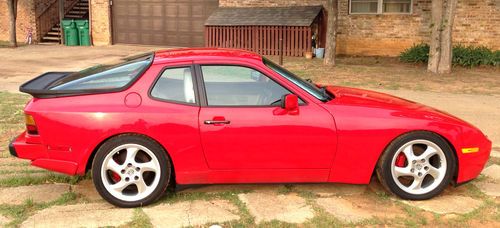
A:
(206, 116)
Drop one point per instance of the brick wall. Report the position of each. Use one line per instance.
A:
(101, 22)
(476, 22)
(26, 19)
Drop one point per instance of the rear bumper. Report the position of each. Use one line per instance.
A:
(37, 153)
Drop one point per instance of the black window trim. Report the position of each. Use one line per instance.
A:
(203, 92)
(195, 82)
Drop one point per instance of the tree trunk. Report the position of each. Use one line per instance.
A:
(446, 38)
(331, 33)
(440, 53)
(12, 5)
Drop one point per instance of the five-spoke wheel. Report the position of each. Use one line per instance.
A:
(417, 165)
(131, 170)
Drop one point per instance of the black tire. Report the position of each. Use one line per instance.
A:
(153, 146)
(384, 165)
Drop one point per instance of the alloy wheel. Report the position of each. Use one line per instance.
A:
(130, 172)
(418, 167)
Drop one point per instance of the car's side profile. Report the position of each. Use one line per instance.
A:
(205, 116)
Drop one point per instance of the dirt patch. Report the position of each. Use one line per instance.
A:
(192, 213)
(80, 215)
(37, 193)
(267, 206)
(358, 208)
(447, 204)
(4, 220)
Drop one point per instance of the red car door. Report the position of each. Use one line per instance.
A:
(241, 125)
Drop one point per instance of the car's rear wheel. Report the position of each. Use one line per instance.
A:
(416, 166)
(131, 170)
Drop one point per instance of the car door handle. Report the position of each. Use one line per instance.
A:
(217, 122)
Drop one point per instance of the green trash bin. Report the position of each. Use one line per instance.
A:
(83, 32)
(70, 32)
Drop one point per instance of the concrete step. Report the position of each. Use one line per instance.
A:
(55, 38)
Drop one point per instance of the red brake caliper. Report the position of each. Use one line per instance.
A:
(401, 160)
(115, 177)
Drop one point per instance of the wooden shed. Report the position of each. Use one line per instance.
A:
(261, 29)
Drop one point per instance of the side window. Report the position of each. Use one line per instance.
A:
(240, 86)
(175, 84)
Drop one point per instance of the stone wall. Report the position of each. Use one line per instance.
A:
(476, 23)
(101, 22)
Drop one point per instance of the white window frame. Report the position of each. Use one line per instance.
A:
(380, 8)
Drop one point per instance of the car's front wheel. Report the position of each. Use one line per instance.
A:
(131, 170)
(416, 166)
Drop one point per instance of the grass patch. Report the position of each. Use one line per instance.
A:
(11, 118)
(49, 178)
(140, 220)
(19, 213)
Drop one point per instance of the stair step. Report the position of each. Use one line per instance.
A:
(73, 16)
(51, 38)
(77, 12)
(55, 29)
(49, 43)
(80, 8)
(82, 4)
(53, 33)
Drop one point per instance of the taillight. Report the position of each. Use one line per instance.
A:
(31, 125)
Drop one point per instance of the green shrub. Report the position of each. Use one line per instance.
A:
(418, 53)
(466, 56)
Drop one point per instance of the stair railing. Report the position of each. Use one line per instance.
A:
(47, 19)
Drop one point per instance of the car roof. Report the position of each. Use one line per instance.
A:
(192, 54)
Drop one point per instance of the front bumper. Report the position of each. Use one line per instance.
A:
(22, 148)
(470, 165)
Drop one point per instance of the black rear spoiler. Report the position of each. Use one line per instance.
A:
(39, 86)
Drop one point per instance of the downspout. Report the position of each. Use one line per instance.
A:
(90, 23)
(61, 17)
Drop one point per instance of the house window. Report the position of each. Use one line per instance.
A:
(380, 6)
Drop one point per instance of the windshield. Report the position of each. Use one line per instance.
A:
(312, 89)
(105, 77)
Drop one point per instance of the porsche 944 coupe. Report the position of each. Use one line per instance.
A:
(217, 116)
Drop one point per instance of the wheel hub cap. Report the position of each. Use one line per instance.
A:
(425, 169)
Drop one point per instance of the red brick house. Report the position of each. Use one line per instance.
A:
(366, 27)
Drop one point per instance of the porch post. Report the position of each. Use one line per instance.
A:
(61, 16)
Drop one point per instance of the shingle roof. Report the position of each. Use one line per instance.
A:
(281, 16)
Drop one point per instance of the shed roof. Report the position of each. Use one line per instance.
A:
(278, 16)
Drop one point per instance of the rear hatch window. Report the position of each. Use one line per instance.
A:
(98, 79)
(104, 77)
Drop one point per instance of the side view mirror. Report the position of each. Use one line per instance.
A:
(290, 103)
